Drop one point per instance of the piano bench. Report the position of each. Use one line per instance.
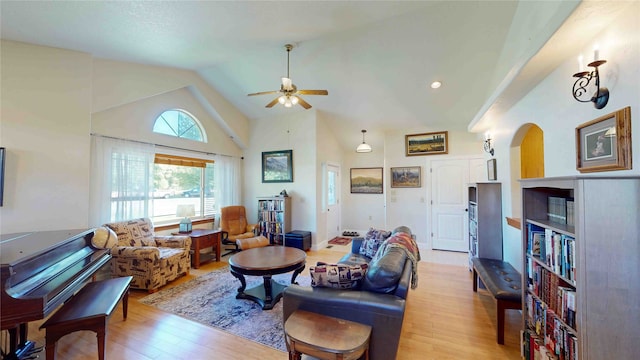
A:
(89, 309)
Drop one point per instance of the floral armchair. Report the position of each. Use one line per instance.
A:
(153, 261)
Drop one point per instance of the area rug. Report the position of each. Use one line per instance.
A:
(210, 299)
(339, 240)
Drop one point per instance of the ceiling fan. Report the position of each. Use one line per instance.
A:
(290, 95)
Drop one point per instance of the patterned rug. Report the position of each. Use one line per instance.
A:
(210, 299)
(339, 240)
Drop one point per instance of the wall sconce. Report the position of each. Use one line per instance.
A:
(601, 96)
(487, 144)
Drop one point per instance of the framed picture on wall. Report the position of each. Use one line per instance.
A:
(604, 144)
(492, 173)
(405, 177)
(427, 143)
(277, 166)
(366, 180)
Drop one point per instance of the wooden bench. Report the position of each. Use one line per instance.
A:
(89, 309)
(503, 282)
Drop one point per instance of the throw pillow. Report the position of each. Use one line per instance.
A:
(372, 241)
(337, 276)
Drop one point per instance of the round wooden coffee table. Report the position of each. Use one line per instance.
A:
(265, 262)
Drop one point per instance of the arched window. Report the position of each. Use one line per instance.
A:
(180, 124)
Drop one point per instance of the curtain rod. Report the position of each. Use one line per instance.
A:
(159, 145)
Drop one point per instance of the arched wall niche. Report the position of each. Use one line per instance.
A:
(527, 161)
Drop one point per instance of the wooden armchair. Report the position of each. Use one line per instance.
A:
(153, 261)
(239, 233)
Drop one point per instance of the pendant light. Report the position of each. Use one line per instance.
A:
(364, 147)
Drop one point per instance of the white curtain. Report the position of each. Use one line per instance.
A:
(121, 180)
(228, 182)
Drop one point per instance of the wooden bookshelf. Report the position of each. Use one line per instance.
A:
(274, 218)
(485, 221)
(580, 289)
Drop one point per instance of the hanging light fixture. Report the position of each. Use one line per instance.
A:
(364, 147)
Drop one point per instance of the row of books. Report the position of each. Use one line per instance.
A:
(550, 334)
(549, 289)
(557, 251)
(534, 348)
(266, 227)
(273, 216)
(271, 205)
(561, 210)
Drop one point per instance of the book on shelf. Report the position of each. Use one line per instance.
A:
(557, 209)
(570, 212)
(535, 239)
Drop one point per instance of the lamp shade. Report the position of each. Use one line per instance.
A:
(185, 211)
(363, 148)
(104, 238)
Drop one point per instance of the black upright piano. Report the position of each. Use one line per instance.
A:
(39, 271)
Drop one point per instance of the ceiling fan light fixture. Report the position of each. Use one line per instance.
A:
(288, 91)
(364, 147)
(288, 103)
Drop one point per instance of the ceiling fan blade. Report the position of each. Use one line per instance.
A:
(303, 103)
(275, 101)
(263, 93)
(313, 92)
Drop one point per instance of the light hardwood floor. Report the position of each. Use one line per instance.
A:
(444, 319)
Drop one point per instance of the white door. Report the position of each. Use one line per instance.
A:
(449, 179)
(333, 201)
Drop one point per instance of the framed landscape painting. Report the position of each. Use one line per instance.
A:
(427, 143)
(277, 166)
(366, 180)
(405, 177)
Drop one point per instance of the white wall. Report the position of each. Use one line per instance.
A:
(551, 106)
(117, 83)
(328, 152)
(44, 125)
(295, 132)
(134, 121)
(399, 206)
(48, 98)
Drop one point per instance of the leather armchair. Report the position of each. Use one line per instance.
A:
(233, 221)
(152, 260)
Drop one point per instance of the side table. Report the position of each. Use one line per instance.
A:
(202, 239)
(325, 337)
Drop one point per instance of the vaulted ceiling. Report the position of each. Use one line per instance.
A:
(376, 59)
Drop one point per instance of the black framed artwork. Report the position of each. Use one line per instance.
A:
(277, 166)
